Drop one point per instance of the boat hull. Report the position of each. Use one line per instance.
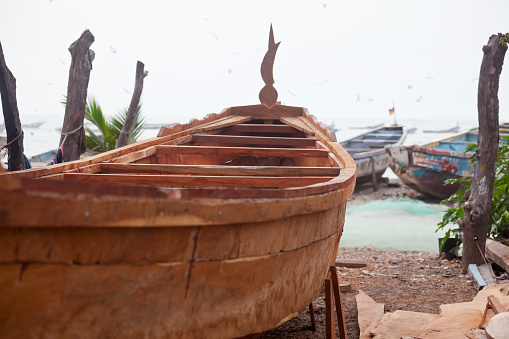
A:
(191, 234)
(426, 170)
(139, 282)
(365, 166)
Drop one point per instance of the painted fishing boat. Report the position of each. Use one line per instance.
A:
(369, 153)
(218, 228)
(426, 168)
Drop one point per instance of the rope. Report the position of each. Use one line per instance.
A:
(69, 133)
(10, 142)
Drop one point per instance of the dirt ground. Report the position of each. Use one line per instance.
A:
(410, 281)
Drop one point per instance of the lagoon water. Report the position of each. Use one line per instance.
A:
(398, 224)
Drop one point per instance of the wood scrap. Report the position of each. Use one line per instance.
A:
(498, 326)
(454, 321)
(350, 263)
(498, 253)
(481, 275)
(369, 312)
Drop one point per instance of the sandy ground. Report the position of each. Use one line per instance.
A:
(411, 281)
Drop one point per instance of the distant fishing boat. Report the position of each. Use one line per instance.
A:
(369, 153)
(367, 127)
(43, 157)
(426, 168)
(154, 126)
(455, 129)
(33, 124)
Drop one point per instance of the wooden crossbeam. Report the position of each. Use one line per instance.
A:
(261, 128)
(199, 181)
(250, 140)
(213, 170)
(243, 151)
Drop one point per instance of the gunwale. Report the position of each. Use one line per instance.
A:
(197, 185)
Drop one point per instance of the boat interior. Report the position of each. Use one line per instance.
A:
(376, 139)
(233, 151)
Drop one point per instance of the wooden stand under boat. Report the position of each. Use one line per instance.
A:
(218, 228)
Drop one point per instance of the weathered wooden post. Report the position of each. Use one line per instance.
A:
(477, 208)
(11, 116)
(73, 134)
(133, 106)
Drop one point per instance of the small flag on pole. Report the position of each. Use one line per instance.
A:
(391, 111)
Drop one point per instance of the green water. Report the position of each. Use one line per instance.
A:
(399, 224)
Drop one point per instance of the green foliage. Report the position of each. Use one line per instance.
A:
(109, 129)
(498, 225)
(504, 38)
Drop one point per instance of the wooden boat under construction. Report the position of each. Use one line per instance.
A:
(219, 228)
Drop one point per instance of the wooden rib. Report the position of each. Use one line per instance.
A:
(229, 121)
(234, 139)
(280, 171)
(244, 151)
(295, 122)
(263, 112)
(199, 181)
(261, 128)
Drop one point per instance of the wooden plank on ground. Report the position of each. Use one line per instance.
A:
(280, 171)
(199, 181)
(498, 253)
(476, 276)
(350, 263)
(369, 313)
(250, 140)
(244, 151)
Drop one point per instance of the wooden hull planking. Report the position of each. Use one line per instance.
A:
(107, 247)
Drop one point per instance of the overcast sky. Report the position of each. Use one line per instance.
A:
(341, 59)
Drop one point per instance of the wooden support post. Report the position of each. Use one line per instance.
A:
(11, 116)
(373, 174)
(330, 331)
(312, 315)
(73, 134)
(123, 138)
(339, 304)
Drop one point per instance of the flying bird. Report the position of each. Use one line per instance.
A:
(113, 50)
(320, 83)
(418, 99)
(292, 93)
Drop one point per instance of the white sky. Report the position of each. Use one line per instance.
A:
(341, 59)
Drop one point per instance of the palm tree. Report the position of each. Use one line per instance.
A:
(109, 130)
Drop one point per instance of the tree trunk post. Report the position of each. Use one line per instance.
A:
(133, 106)
(477, 208)
(11, 116)
(73, 134)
